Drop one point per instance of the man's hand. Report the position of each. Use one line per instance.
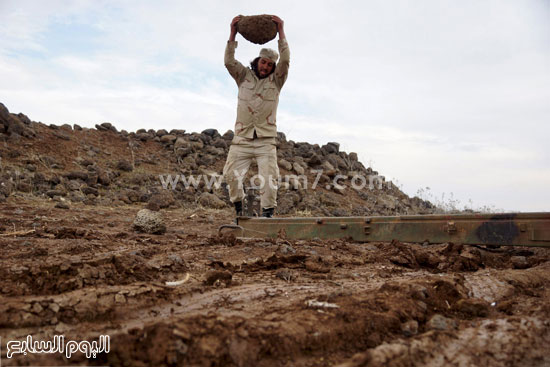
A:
(233, 27)
(280, 26)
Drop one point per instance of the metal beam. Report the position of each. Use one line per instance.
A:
(513, 229)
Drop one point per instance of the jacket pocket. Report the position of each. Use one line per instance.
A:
(270, 94)
(246, 90)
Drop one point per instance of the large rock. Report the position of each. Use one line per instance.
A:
(220, 143)
(304, 150)
(209, 200)
(177, 132)
(257, 29)
(336, 161)
(106, 126)
(149, 222)
(103, 177)
(298, 168)
(77, 175)
(182, 148)
(228, 135)
(144, 136)
(196, 142)
(331, 148)
(168, 139)
(211, 132)
(314, 160)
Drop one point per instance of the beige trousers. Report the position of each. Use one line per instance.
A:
(238, 162)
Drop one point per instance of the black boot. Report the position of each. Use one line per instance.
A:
(238, 208)
(267, 212)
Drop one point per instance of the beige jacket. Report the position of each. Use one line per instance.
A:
(258, 98)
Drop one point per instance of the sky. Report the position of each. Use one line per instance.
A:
(447, 99)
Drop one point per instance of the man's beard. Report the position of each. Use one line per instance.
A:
(260, 76)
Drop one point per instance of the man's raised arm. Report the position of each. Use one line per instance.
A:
(235, 68)
(281, 72)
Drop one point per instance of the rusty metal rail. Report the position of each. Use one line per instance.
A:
(513, 229)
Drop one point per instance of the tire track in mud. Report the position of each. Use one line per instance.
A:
(385, 309)
(63, 273)
(250, 302)
(363, 319)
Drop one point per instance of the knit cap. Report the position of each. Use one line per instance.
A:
(269, 54)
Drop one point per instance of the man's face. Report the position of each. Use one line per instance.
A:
(265, 66)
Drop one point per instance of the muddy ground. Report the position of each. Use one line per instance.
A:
(84, 272)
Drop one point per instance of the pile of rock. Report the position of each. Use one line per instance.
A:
(109, 180)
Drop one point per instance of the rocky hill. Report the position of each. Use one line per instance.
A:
(104, 166)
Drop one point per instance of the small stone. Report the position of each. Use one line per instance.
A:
(283, 163)
(108, 126)
(119, 298)
(24, 187)
(153, 206)
(37, 308)
(77, 175)
(217, 277)
(316, 266)
(315, 160)
(87, 190)
(168, 139)
(62, 205)
(209, 200)
(331, 148)
(163, 199)
(53, 193)
(286, 249)
(298, 169)
(409, 328)
(294, 183)
(210, 132)
(285, 275)
(473, 307)
(439, 322)
(519, 262)
(144, 136)
(124, 165)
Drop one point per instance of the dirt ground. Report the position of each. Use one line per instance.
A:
(84, 272)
